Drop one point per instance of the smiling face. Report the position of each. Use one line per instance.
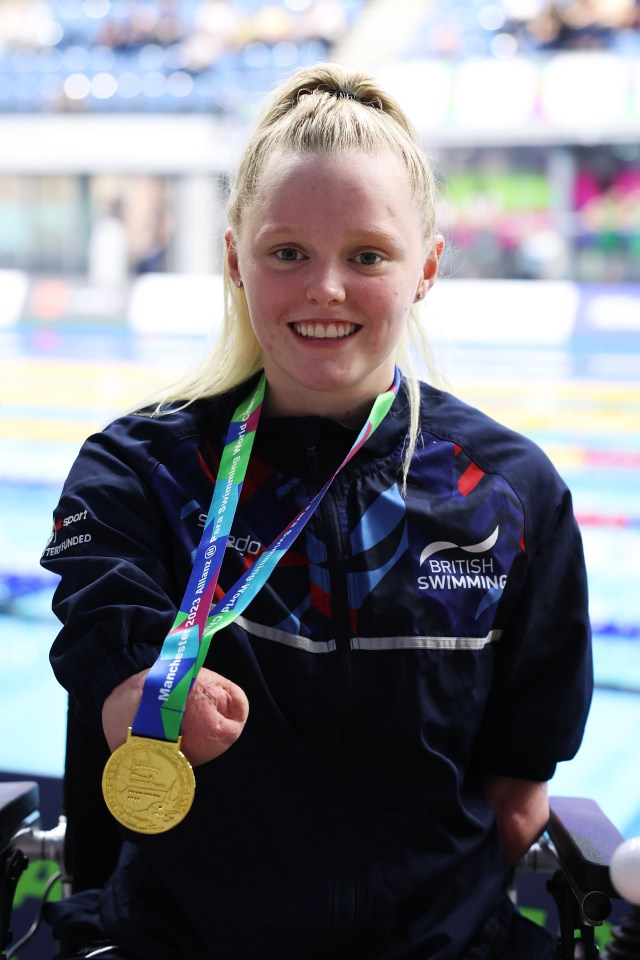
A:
(331, 256)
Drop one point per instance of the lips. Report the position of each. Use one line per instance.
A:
(324, 331)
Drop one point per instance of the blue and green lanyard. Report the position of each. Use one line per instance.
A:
(185, 648)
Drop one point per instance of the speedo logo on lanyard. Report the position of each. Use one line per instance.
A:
(244, 545)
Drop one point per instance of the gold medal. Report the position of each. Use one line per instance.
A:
(148, 785)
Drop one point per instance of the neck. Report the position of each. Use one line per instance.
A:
(350, 405)
(351, 414)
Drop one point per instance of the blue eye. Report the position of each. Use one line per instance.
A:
(289, 254)
(369, 258)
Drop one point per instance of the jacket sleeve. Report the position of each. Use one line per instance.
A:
(543, 678)
(116, 598)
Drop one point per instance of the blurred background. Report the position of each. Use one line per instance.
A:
(120, 121)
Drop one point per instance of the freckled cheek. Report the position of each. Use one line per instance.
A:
(266, 295)
(266, 307)
(269, 329)
(389, 305)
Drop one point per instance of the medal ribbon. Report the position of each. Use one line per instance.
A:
(167, 684)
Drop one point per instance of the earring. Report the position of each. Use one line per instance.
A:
(419, 296)
(238, 283)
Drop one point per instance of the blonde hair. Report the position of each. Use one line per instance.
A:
(320, 108)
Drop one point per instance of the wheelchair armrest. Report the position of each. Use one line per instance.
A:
(19, 801)
(585, 840)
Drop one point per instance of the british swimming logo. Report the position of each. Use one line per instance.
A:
(474, 572)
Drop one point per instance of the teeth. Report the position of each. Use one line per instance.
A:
(321, 331)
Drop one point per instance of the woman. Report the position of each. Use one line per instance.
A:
(402, 602)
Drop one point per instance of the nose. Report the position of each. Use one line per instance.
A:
(325, 284)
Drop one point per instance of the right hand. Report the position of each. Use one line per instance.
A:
(215, 714)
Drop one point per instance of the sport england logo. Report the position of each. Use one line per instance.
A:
(74, 519)
(460, 573)
(65, 522)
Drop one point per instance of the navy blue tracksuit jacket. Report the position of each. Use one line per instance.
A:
(404, 649)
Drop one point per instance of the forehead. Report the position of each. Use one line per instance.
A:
(325, 185)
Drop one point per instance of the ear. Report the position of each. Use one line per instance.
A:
(430, 268)
(232, 256)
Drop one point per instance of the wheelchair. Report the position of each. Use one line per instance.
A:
(574, 852)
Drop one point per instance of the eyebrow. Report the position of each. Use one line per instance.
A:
(368, 235)
(375, 235)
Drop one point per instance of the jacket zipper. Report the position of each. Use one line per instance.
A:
(347, 888)
(312, 459)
